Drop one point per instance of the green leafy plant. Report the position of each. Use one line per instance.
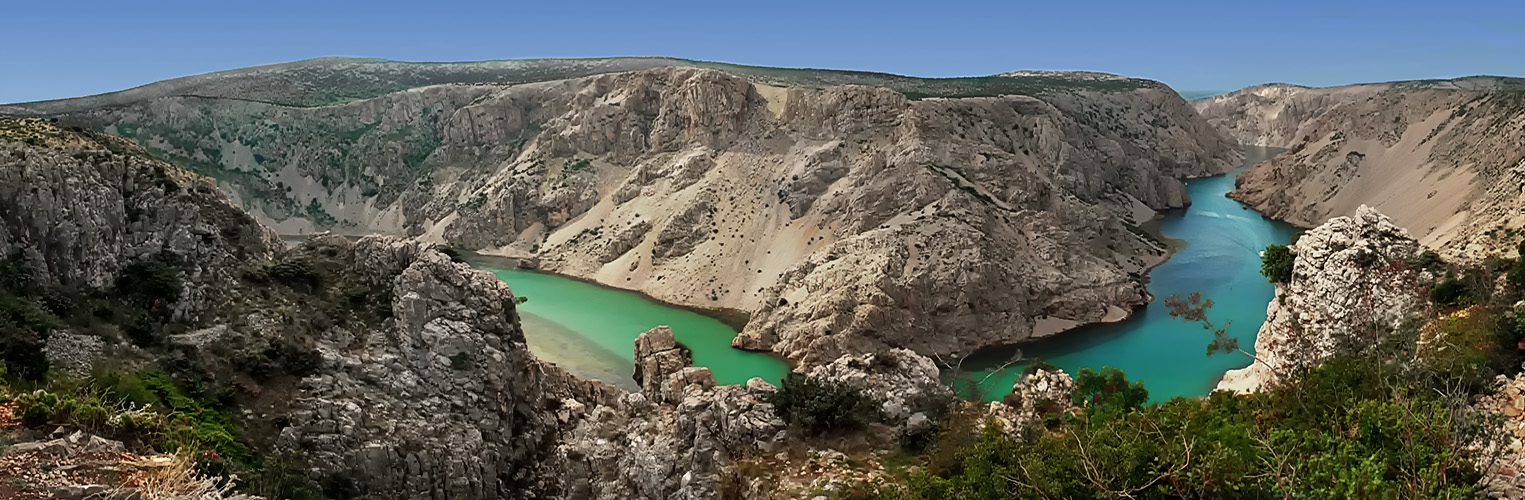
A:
(817, 406)
(1276, 263)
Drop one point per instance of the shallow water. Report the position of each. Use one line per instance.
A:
(1218, 256)
(590, 330)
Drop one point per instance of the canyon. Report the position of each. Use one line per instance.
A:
(865, 224)
(845, 212)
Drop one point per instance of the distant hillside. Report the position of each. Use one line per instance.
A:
(339, 80)
(1444, 158)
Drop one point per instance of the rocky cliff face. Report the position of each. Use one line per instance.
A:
(1349, 285)
(392, 368)
(682, 436)
(846, 218)
(1443, 158)
(81, 208)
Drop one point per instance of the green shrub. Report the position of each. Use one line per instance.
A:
(1108, 391)
(1343, 431)
(1429, 260)
(818, 405)
(153, 282)
(1276, 263)
(1038, 364)
(1451, 292)
(36, 415)
(296, 272)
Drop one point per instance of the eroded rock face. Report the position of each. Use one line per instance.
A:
(903, 381)
(1439, 157)
(672, 439)
(444, 402)
(423, 389)
(1036, 394)
(1348, 281)
(77, 213)
(967, 217)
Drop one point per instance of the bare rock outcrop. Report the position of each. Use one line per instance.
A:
(901, 380)
(1042, 392)
(389, 366)
(444, 402)
(78, 208)
(672, 439)
(1348, 283)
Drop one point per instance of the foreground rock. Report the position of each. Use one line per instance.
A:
(1348, 284)
(387, 365)
(1439, 157)
(683, 437)
(847, 214)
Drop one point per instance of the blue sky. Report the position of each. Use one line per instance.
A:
(86, 46)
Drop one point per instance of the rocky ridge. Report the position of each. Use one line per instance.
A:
(431, 394)
(1441, 157)
(1350, 279)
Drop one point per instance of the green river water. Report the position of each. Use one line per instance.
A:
(590, 330)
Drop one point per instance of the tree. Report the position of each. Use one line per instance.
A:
(1276, 263)
(1109, 390)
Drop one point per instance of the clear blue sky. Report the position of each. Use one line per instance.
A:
(69, 48)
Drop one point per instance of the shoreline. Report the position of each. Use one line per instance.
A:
(734, 319)
(1154, 228)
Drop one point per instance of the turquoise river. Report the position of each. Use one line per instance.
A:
(590, 329)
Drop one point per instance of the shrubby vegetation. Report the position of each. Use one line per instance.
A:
(1276, 263)
(172, 398)
(1390, 418)
(818, 406)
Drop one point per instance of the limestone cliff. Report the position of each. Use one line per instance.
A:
(1443, 158)
(682, 436)
(848, 212)
(1350, 284)
(393, 369)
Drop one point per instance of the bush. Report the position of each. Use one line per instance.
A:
(819, 406)
(1276, 263)
(24, 329)
(1430, 261)
(152, 282)
(36, 415)
(1108, 391)
(1451, 292)
(297, 272)
(1038, 364)
(1342, 431)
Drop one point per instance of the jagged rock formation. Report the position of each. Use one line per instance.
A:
(417, 385)
(1042, 392)
(1348, 282)
(83, 207)
(1443, 158)
(850, 212)
(672, 439)
(443, 401)
(1505, 476)
(681, 435)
